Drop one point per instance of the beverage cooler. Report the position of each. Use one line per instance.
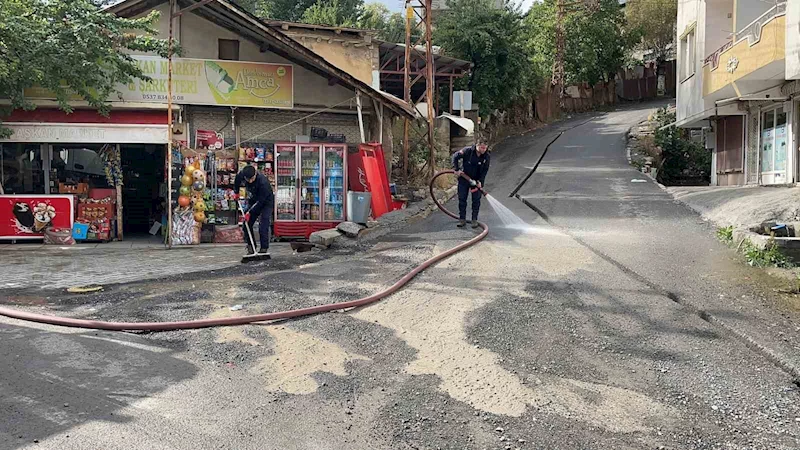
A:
(310, 183)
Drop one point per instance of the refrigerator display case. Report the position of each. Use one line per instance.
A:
(310, 188)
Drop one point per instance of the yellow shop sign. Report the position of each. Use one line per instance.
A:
(206, 82)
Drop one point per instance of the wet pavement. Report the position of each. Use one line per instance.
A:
(54, 267)
(560, 334)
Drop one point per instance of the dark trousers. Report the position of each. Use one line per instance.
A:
(263, 228)
(463, 193)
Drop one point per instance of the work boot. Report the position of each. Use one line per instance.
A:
(462, 223)
(475, 224)
(248, 250)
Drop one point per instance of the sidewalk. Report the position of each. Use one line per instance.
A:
(53, 267)
(741, 207)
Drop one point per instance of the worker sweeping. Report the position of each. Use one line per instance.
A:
(475, 165)
(259, 207)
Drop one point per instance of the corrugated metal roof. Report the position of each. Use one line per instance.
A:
(438, 59)
(308, 26)
(236, 19)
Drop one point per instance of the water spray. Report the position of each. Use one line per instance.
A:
(243, 320)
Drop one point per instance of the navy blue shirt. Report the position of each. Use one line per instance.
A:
(475, 166)
(260, 192)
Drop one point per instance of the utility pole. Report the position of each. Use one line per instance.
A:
(429, 85)
(407, 89)
(173, 14)
(422, 10)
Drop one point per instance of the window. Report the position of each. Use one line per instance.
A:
(21, 168)
(688, 60)
(229, 49)
(773, 141)
(77, 164)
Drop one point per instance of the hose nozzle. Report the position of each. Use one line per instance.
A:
(474, 184)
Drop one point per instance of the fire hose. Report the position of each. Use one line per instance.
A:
(242, 320)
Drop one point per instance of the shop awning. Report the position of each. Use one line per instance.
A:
(85, 126)
(241, 22)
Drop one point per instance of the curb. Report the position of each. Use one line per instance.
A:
(396, 220)
(630, 159)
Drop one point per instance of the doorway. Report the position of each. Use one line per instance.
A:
(143, 177)
(774, 146)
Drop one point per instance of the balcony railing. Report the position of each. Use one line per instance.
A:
(752, 32)
(713, 58)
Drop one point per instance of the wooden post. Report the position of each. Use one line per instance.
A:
(380, 123)
(360, 117)
(429, 84)
(450, 108)
(405, 151)
(118, 186)
(169, 124)
(407, 87)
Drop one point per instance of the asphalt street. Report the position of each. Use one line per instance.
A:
(587, 328)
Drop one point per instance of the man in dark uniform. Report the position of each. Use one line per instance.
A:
(475, 164)
(259, 205)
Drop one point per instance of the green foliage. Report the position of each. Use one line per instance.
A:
(70, 47)
(725, 234)
(682, 158)
(288, 10)
(770, 256)
(337, 13)
(391, 27)
(493, 39)
(654, 22)
(596, 41)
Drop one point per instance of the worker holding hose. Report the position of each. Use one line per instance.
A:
(474, 163)
(260, 206)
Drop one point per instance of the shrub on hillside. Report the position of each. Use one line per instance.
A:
(683, 160)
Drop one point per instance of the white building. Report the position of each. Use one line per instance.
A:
(737, 62)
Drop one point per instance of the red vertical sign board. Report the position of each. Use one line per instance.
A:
(377, 178)
(27, 216)
(356, 175)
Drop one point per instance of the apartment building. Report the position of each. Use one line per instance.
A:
(738, 63)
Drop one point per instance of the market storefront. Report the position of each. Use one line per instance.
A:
(282, 108)
(52, 156)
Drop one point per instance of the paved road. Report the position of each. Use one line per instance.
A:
(570, 333)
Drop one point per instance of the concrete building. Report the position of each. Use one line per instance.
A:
(737, 65)
(238, 79)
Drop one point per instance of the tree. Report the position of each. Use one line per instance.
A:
(287, 10)
(493, 40)
(596, 40)
(391, 27)
(72, 48)
(656, 22)
(342, 13)
(335, 13)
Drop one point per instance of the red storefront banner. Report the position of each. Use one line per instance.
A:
(208, 140)
(27, 216)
